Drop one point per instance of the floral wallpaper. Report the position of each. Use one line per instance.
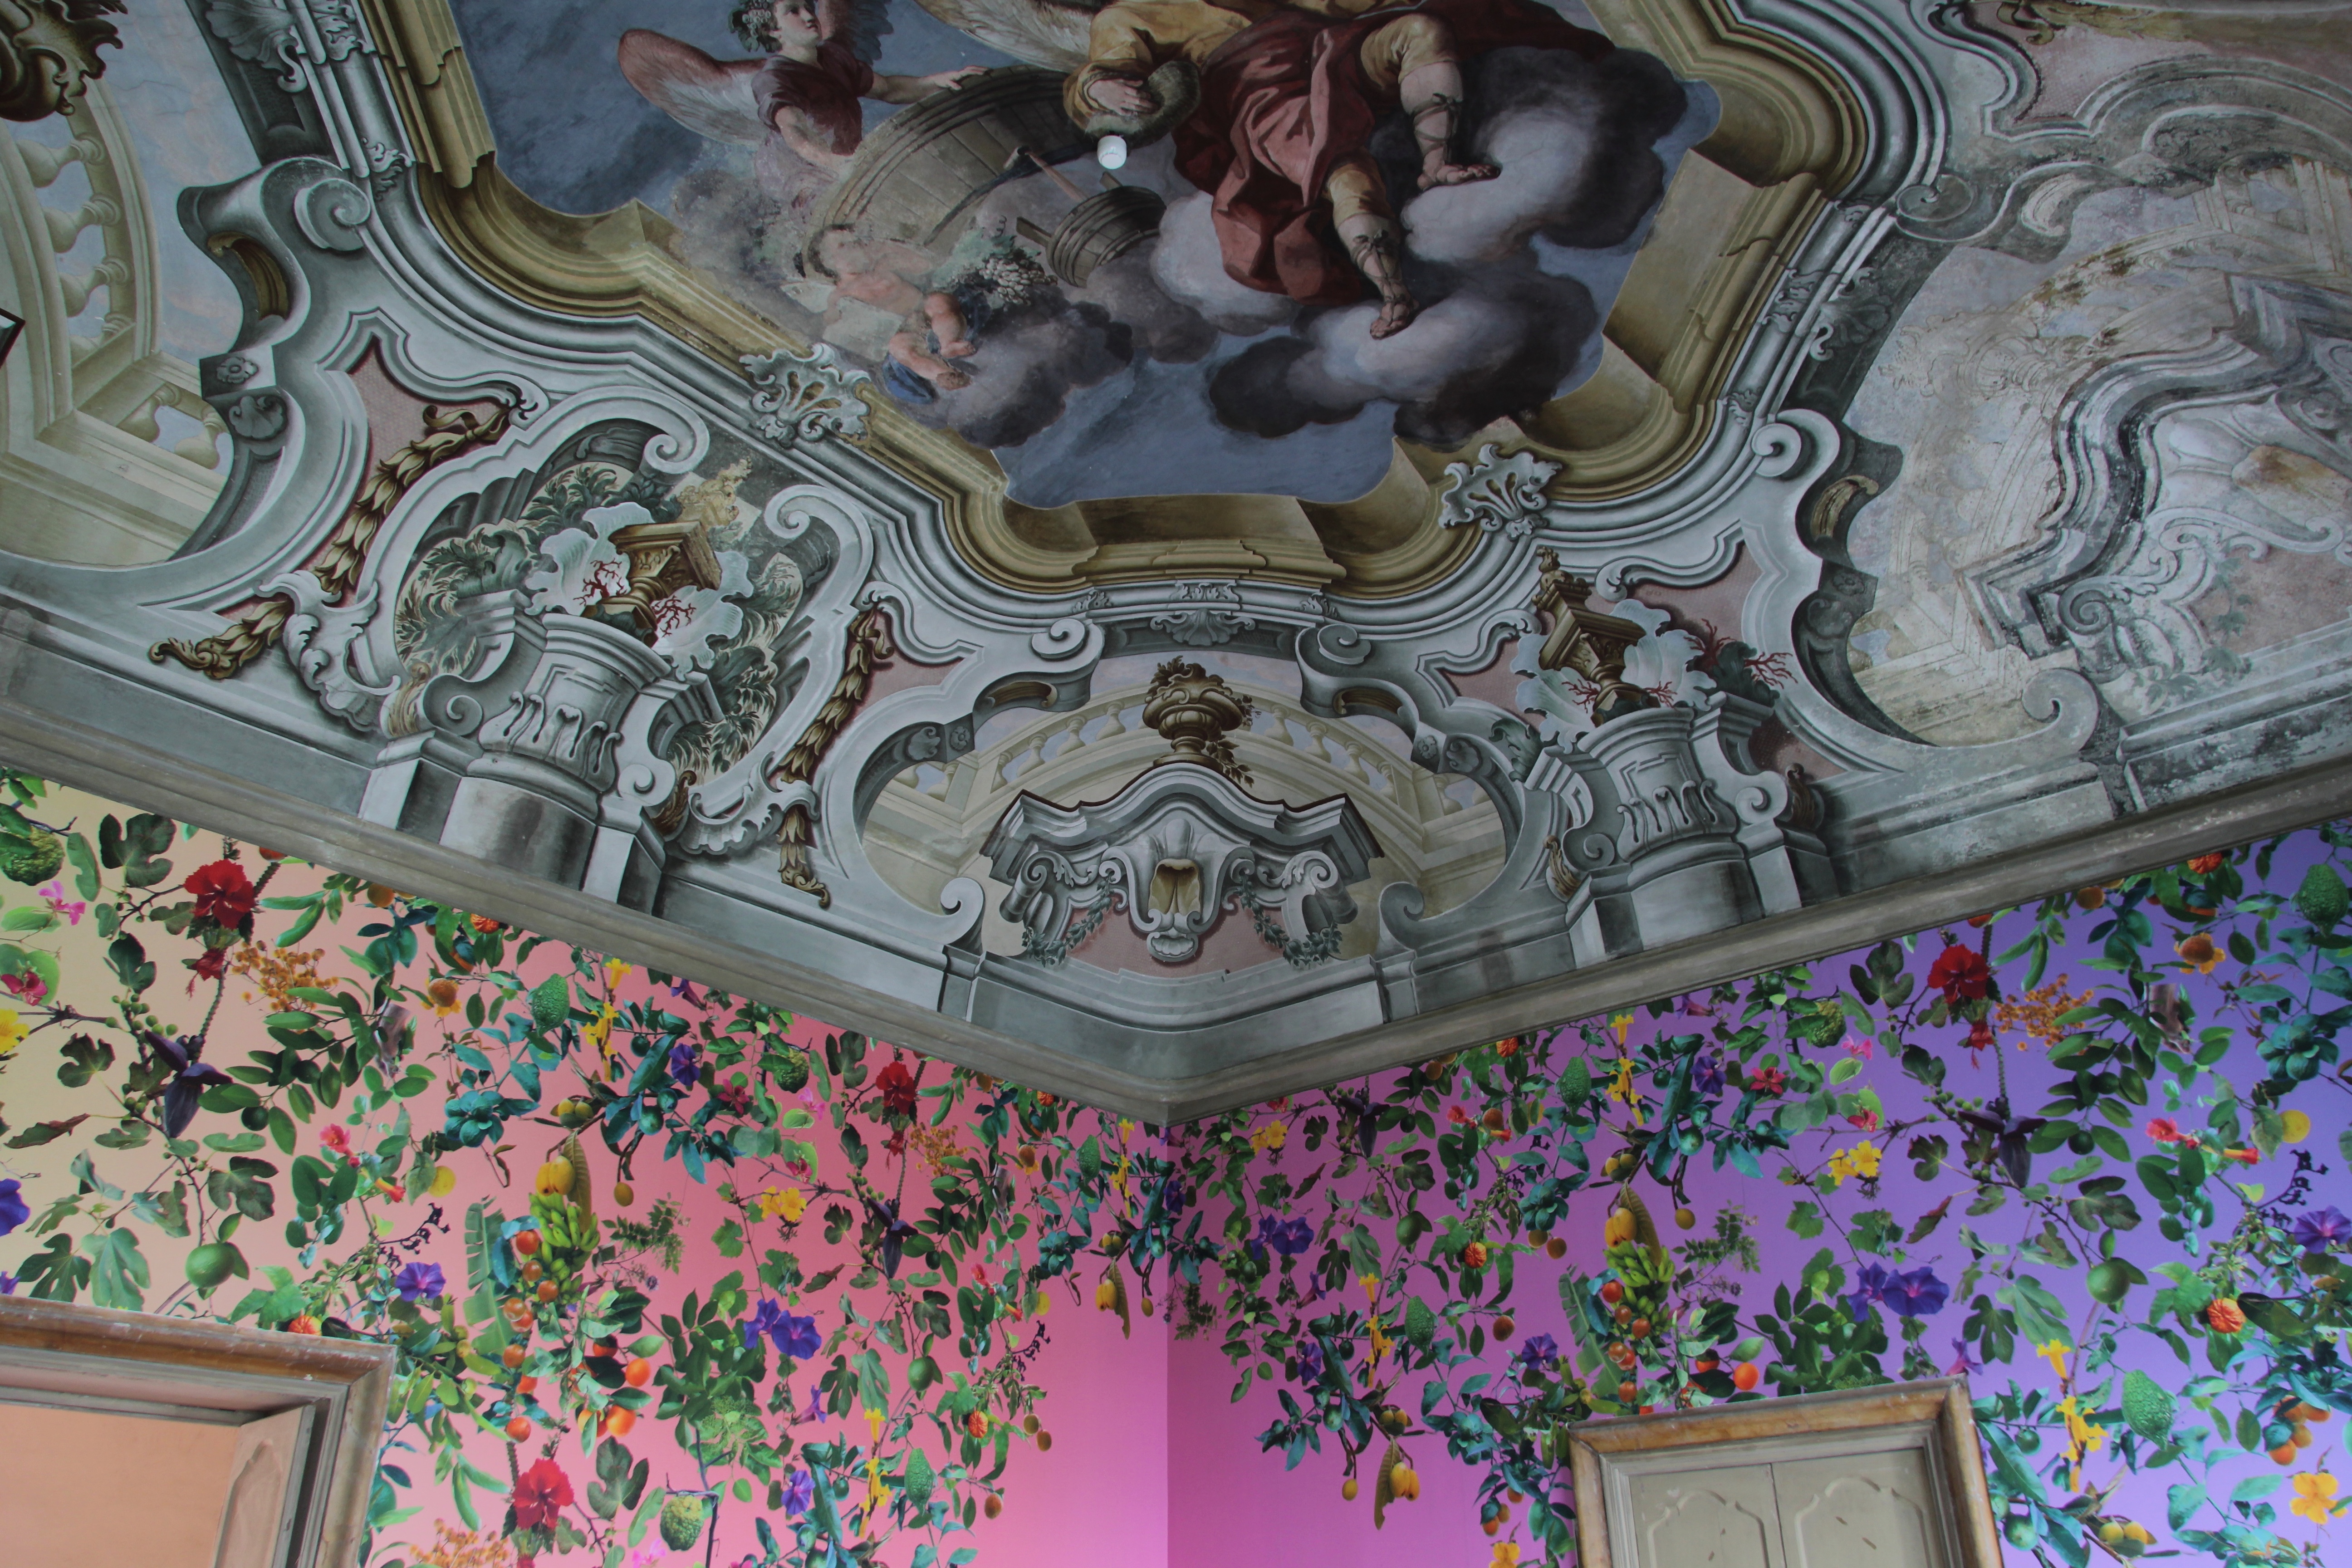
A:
(677, 1275)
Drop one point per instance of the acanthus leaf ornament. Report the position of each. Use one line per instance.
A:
(1500, 494)
(48, 54)
(805, 398)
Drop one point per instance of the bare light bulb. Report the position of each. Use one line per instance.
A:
(1111, 151)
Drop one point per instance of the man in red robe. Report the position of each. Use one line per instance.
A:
(1290, 95)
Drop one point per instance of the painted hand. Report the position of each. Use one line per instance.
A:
(1122, 97)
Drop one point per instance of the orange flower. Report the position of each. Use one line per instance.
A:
(302, 1323)
(2206, 865)
(483, 924)
(2226, 1316)
(2199, 951)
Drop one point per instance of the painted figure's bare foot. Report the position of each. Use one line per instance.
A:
(947, 326)
(1440, 170)
(1397, 313)
(908, 351)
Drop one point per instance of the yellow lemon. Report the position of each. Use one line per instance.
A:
(554, 1177)
(2298, 1126)
(445, 1182)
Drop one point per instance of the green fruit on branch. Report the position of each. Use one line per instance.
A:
(789, 1068)
(2147, 1407)
(212, 1262)
(681, 1522)
(550, 1002)
(33, 859)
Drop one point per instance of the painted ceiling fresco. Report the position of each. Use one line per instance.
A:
(1181, 549)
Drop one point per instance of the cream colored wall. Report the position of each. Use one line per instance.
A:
(79, 1489)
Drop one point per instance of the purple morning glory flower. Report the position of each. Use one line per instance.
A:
(799, 1492)
(1917, 1294)
(1706, 1074)
(2317, 1231)
(1310, 1363)
(791, 1336)
(682, 1065)
(1539, 1351)
(1963, 1366)
(8, 1283)
(1869, 1286)
(419, 1283)
(190, 1078)
(14, 1210)
(1289, 1237)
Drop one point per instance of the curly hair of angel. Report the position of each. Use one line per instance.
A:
(754, 23)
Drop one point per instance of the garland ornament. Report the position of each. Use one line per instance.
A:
(868, 645)
(446, 436)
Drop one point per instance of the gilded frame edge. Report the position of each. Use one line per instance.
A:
(242, 1360)
(1943, 1400)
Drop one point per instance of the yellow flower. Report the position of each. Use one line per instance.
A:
(2054, 1352)
(1125, 1129)
(599, 1029)
(2314, 1497)
(1861, 1161)
(1621, 1023)
(1505, 1555)
(12, 1030)
(1269, 1136)
(615, 972)
(790, 1202)
(1620, 1087)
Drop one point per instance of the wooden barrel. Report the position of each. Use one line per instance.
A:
(1100, 228)
(923, 169)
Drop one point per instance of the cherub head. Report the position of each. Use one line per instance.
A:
(765, 26)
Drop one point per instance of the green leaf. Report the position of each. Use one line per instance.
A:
(118, 1274)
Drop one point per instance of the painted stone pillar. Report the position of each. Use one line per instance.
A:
(1686, 871)
(530, 802)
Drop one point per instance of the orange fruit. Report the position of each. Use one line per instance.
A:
(1045, 1441)
(1626, 1391)
(1746, 1376)
(518, 1429)
(618, 1420)
(526, 1385)
(1347, 1490)
(992, 1506)
(547, 1291)
(526, 1242)
(1555, 1248)
(1504, 1328)
(511, 1355)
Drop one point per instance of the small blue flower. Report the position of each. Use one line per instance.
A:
(1707, 1075)
(792, 1336)
(1288, 1238)
(2314, 1232)
(14, 1210)
(1869, 1287)
(682, 1065)
(799, 1492)
(1310, 1363)
(420, 1282)
(1539, 1351)
(1917, 1294)
(8, 1283)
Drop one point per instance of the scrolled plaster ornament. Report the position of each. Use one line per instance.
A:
(805, 398)
(48, 54)
(1499, 494)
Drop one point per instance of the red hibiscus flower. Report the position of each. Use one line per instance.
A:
(1980, 1036)
(897, 1087)
(1768, 1080)
(224, 893)
(540, 1493)
(1961, 974)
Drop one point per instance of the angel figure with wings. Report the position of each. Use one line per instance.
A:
(797, 108)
